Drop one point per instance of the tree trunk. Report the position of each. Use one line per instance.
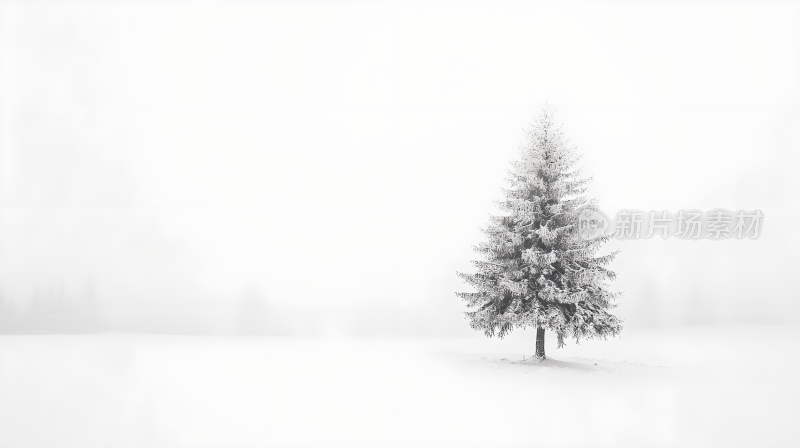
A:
(540, 343)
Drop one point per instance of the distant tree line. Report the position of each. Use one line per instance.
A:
(48, 312)
(52, 311)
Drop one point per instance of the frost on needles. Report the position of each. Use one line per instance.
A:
(536, 269)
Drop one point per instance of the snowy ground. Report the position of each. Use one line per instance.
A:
(696, 386)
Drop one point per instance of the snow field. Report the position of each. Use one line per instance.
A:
(701, 386)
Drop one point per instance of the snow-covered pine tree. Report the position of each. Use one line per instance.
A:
(536, 270)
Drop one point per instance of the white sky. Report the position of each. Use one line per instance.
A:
(343, 154)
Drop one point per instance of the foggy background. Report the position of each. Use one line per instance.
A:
(322, 168)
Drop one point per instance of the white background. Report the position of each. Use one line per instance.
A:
(338, 157)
